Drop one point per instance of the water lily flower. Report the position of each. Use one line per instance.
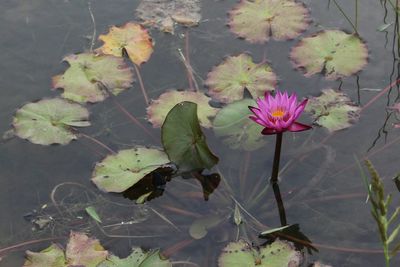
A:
(279, 113)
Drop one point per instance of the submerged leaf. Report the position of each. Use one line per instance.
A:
(232, 123)
(132, 38)
(49, 121)
(90, 77)
(118, 172)
(258, 21)
(138, 258)
(228, 80)
(277, 254)
(333, 53)
(162, 14)
(52, 256)
(93, 213)
(183, 140)
(85, 251)
(200, 227)
(333, 110)
(159, 108)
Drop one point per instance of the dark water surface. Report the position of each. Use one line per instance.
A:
(323, 191)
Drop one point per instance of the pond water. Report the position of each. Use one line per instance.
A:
(321, 186)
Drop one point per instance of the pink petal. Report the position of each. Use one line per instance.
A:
(300, 108)
(298, 127)
(269, 131)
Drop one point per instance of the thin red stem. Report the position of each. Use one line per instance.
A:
(146, 98)
(384, 91)
(98, 142)
(3, 250)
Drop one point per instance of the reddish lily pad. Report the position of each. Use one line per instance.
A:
(163, 14)
(278, 254)
(138, 258)
(228, 80)
(118, 172)
(334, 53)
(132, 38)
(90, 77)
(333, 110)
(258, 21)
(50, 121)
(159, 108)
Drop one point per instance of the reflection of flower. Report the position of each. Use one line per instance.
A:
(278, 113)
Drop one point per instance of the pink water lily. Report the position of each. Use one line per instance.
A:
(279, 113)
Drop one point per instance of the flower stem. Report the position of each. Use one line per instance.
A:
(279, 202)
(277, 156)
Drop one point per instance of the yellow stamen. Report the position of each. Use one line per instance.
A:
(278, 113)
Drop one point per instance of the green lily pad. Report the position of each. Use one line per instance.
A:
(183, 140)
(138, 258)
(333, 110)
(258, 21)
(118, 172)
(82, 250)
(159, 108)
(163, 14)
(91, 77)
(227, 81)
(277, 254)
(232, 123)
(132, 38)
(49, 121)
(52, 256)
(334, 53)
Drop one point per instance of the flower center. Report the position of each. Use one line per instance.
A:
(278, 113)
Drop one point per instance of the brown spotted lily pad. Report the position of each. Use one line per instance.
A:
(159, 108)
(138, 258)
(163, 14)
(132, 38)
(81, 251)
(334, 53)
(258, 21)
(116, 173)
(91, 77)
(278, 254)
(333, 110)
(227, 81)
(50, 121)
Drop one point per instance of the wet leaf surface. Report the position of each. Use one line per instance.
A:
(159, 108)
(333, 53)
(333, 110)
(258, 21)
(83, 250)
(232, 123)
(183, 140)
(49, 121)
(132, 38)
(138, 258)
(277, 254)
(227, 81)
(163, 14)
(117, 173)
(90, 77)
(52, 256)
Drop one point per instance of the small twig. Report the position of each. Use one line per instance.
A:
(146, 98)
(94, 26)
(187, 62)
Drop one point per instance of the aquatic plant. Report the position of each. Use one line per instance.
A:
(380, 204)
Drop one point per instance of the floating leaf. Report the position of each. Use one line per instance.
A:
(82, 250)
(232, 123)
(159, 108)
(228, 80)
(183, 140)
(209, 182)
(333, 53)
(333, 110)
(132, 38)
(258, 21)
(162, 14)
(93, 213)
(49, 121)
(91, 77)
(52, 256)
(138, 258)
(200, 227)
(118, 172)
(277, 254)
